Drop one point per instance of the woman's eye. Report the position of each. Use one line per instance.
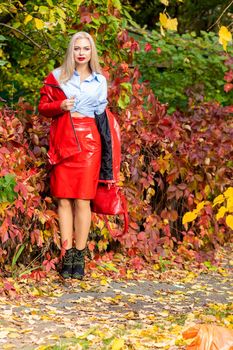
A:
(79, 49)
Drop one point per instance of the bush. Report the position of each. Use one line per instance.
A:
(170, 163)
(183, 67)
(27, 217)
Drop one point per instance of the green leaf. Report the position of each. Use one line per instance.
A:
(116, 4)
(123, 100)
(127, 87)
(43, 10)
(61, 12)
(17, 255)
(78, 2)
(49, 2)
(7, 184)
(2, 38)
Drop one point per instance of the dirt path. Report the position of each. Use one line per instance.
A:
(101, 313)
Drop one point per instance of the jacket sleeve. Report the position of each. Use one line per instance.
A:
(47, 105)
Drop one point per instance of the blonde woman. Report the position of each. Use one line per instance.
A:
(73, 95)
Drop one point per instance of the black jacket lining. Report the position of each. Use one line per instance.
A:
(106, 170)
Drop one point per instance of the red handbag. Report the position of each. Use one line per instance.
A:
(110, 200)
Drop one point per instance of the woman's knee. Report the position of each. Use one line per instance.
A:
(65, 203)
(82, 204)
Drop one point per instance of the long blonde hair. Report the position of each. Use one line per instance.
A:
(68, 65)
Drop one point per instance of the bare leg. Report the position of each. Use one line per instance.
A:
(82, 222)
(65, 214)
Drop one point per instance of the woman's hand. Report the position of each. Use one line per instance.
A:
(68, 104)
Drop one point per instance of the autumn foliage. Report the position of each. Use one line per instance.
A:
(28, 221)
(170, 163)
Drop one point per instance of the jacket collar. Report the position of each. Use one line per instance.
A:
(50, 79)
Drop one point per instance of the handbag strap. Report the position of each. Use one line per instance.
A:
(125, 214)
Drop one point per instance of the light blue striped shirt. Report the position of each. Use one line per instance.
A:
(90, 95)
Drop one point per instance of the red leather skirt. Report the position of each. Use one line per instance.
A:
(78, 175)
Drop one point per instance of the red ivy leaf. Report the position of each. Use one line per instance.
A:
(38, 275)
(228, 87)
(148, 47)
(229, 76)
(20, 187)
(137, 263)
(85, 17)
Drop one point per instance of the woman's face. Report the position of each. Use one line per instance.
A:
(82, 51)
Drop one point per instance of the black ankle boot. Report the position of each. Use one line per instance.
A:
(66, 271)
(79, 263)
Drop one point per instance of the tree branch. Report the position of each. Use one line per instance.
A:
(218, 19)
(48, 44)
(25, 35)
(30, 39)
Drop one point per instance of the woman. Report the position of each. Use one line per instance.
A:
(74, 95)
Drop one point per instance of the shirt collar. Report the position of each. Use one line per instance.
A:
(91, 77)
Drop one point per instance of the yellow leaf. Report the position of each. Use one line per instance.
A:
(207, 190)
(172, 24)
(103, 282)
(218, 200)
(189, 216)
(13, 335)
(200, 206)
(100, 224)
(162, 31)
(118, 344)
(27, 19)
(163, 19)
(229, 221)
(168, 23)
(39, 23)
(229, 203)
(84, 286)
(229, 193)
(156, 267)
(224, 36)
(68, 334)
(165, 2)
(3, 207)
(221, 212)
(36, 292)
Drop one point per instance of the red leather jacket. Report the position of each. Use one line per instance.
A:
(63, 141)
